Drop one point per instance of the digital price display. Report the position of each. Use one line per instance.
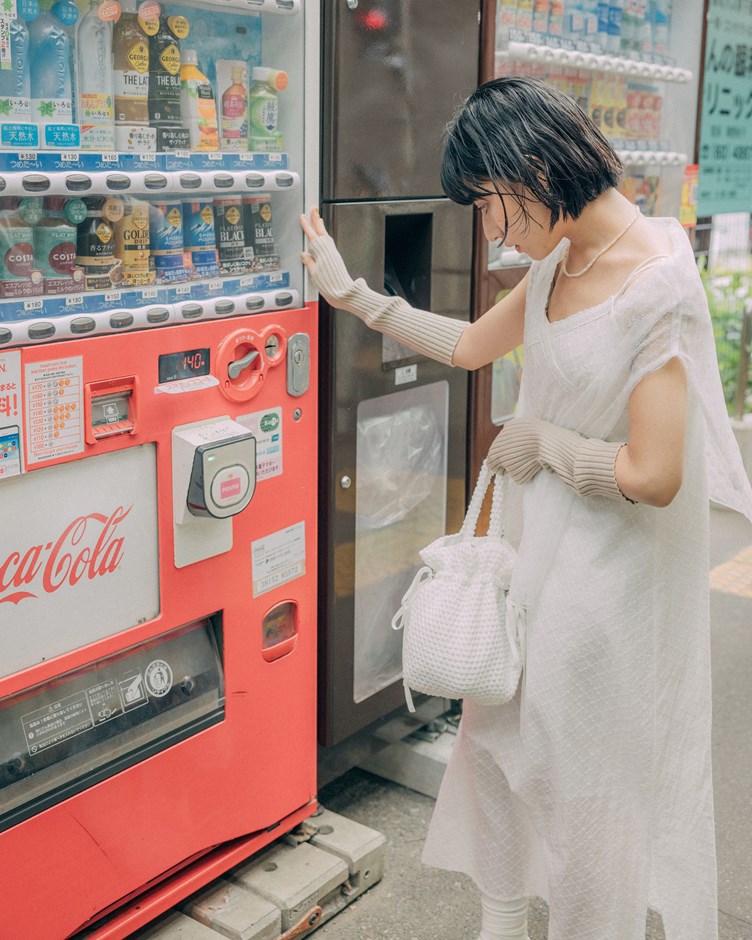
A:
(183, 365)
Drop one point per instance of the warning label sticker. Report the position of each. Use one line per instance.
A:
(278, 558)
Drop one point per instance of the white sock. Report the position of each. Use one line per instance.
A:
(503, 920)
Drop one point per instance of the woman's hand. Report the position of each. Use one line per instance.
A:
(516, 450)
(323, 262)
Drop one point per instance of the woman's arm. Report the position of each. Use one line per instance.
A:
(649, 467)
(497, 332)
(645, 469)
(445, 339)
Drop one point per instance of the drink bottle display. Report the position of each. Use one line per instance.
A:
(261, 248)
(228, 224)
(15, 86)
(164, 75)
(166, 240)
(50, 64)
(19, 276)
(95, 242)
(131, 68)
(55, 237)
(264, 109)
(96, 102)
(132, 244)
(234, 103)
(198, 104)
(200, 238)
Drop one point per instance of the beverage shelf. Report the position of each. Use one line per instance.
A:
(123, 317)
(545, 54)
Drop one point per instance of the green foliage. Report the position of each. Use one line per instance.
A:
(729, 293)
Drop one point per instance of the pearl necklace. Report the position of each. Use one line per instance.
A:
(603, 250)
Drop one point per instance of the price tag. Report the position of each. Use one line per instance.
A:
(74, 300)
(112, 297)
(27, 156)
(109, 11)
(149, 294)
(32, 305)
(215, 285)
(109, 158)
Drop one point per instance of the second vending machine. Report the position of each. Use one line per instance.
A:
(158, 442)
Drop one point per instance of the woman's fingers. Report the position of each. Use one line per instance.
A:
(313, 225)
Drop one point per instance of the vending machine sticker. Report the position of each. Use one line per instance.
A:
(266, 427)
(54, 409)
(278, 558)
(11, 432)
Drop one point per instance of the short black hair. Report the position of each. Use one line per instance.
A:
(523, 132)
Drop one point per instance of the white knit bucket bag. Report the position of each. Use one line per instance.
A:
(459, 641)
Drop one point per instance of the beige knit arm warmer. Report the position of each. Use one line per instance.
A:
(527, 445)
(430, 334)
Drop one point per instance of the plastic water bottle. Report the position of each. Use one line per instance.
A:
(50, 69)
(96, 112)
(14, 82)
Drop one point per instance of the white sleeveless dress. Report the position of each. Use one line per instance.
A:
(592, 788)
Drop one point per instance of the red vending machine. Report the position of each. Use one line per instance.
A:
(158, 435)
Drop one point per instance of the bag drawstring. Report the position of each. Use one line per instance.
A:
(516, 626)
(423, 574)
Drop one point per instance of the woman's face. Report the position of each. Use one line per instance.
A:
(526, 231)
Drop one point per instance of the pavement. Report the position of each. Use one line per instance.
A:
(414, 902)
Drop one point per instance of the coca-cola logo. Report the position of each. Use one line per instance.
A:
(63, 258)
(19, 258)
(89, 547)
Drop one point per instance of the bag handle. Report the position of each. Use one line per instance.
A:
(496, 526)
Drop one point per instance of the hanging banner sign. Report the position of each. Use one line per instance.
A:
(726, 130)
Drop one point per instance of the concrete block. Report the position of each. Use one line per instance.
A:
(362, 848)
(296, 879)
(177, 926)
(418, 765)
(234, 912)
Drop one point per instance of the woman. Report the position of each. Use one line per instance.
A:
(592, 788)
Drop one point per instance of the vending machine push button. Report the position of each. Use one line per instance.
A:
(191, 311)
(155, 181)
(5, 336)
(223, 181)
(118, 181)
(157, 315)
(77, 183)
(2, 183)
(82, 325)
(36, 183)
(254, 180)
(119, 321)
(224, 307)
(254, 302)
(41, 330)
(190, 181)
